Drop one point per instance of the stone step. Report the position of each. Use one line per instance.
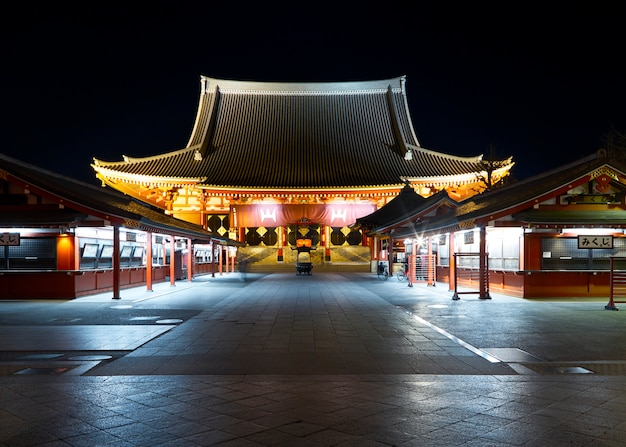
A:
(288, 268)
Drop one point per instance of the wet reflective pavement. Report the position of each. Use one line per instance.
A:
(323, 360)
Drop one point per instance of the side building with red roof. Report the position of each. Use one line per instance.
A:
(61, 238)
(558, 234)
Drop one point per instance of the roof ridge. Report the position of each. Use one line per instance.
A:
(470, 158)
(329, 87)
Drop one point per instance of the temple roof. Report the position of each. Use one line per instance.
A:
(403, 214)
(78, 201)
(271, 135)
(519, 200)
(401, 206)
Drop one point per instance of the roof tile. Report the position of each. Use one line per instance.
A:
(299, 135)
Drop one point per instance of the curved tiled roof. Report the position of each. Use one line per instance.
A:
(519, 199)
(398, 208)
(82, 199)
(297, 135)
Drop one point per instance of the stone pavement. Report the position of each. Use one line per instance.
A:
(323, 360)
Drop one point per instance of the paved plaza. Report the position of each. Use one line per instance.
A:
(331, 359)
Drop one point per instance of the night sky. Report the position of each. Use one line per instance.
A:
(107, 79)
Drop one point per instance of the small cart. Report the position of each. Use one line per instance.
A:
(303, 261)
(303, 257)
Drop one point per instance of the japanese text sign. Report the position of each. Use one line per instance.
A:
(595, 241)
(9, 239)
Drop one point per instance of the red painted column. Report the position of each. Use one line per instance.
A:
(280, 257)
(149, 261)
(414, 248)
(390, 255)
(484, 266)
(431, 263)
(116, 262)
(374, 249)
(452, 268)
(190, 259)
(172, 261)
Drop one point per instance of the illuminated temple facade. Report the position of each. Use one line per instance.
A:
(273, 164)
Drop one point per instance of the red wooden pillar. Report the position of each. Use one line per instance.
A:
(452, 267)
(190, 259)
(115, 261)
(76, 245)
(326, 231)
(280, 256)
(390, 255)
(412, 257)
(164, 253)
(431, 263)
(172, 261)
(374, 249)
(149, 261)
(483, 265)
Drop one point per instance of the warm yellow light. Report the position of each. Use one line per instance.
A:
(303, 242)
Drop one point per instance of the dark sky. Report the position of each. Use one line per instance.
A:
(106, 79)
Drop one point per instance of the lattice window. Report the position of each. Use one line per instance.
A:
(35, 254)
(444, 250)
(564, 254)
(503, 253)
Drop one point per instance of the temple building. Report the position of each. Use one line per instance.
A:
(282, 165)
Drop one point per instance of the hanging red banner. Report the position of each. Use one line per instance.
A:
(276, 215)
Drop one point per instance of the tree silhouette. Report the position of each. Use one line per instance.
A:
(615, 144)
(489, 165)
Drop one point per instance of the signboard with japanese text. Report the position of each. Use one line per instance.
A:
(595, 241)
(9, 239)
